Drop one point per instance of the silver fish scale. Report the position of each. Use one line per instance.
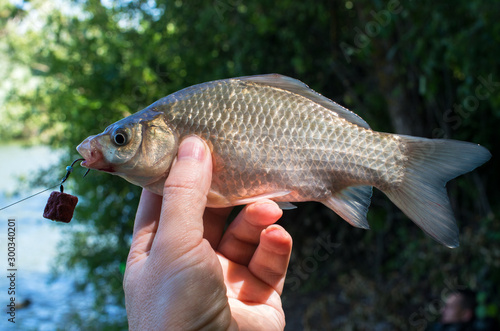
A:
(267, 139)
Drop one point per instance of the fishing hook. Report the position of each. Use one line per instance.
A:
(69, 169)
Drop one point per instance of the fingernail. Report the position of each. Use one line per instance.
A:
(191, 148)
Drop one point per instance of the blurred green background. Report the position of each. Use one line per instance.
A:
(425, 68)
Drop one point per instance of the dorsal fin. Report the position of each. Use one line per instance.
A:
(297, 87)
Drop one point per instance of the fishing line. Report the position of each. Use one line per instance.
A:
(69, 169)
(31, 196)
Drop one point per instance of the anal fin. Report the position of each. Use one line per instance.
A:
(352, 205)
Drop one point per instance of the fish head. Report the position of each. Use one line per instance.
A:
(140, 148)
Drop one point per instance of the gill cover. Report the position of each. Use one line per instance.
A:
(139, 148)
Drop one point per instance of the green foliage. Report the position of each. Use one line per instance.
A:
(409, 67)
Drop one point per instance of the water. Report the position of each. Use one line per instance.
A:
(37, 242)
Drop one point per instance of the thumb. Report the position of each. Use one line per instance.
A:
(184, 198)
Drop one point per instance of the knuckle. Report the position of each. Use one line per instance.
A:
(183, 195)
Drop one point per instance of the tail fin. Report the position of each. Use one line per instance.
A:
(422, 193)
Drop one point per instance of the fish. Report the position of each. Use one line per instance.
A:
(271, 136)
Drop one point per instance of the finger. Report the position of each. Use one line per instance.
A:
(145, 225)
(148, 211)
(214, 221)
(270, 261)
(243, 235)
(184, 199)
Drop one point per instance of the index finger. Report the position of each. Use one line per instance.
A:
(243, 235)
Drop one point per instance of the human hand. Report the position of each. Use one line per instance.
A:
(183, 274)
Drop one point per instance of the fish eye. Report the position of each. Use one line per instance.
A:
(120, 137)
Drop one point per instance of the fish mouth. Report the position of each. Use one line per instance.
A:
(90, 150)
